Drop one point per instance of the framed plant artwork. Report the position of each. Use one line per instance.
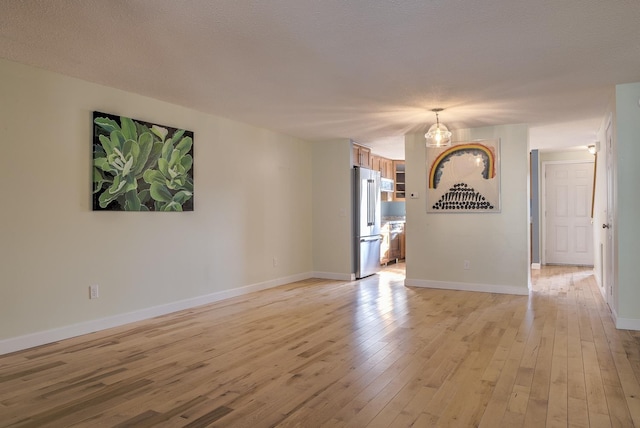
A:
(141, 166)
(464, 178)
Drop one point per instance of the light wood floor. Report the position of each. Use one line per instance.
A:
(320, 353)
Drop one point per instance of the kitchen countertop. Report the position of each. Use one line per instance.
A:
(394, 219)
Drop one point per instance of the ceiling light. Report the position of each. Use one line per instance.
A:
(438, 135)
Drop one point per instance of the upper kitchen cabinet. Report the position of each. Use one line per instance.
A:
(386, 168)
(382, 165)
(361, 156)
(375, 162)
(399, 189)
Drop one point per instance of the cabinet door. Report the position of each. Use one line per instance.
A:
(383, 168)
(365, 157)
(356, 155)
(384, 247)
(399, 185)
(388, 168)
(361, 156)
(375, 163)
(394, 245)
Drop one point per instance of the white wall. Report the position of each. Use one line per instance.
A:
(252, 203)
(600, 244)
(496, 244)
(566, 155)
(332, 209)
(626, 226)
(624, 114)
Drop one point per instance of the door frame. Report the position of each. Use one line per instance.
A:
(543, 205)
(609, 256)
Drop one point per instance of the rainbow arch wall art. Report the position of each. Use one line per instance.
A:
(464, 177)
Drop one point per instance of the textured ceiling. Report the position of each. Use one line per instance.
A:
(369, 70)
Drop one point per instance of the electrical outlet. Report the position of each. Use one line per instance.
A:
(94, 292)
(467, 265)
(275, 262)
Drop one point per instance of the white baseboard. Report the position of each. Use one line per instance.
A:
(625, 323)
(620, 323)
(535, 265)
(465, 286)
(334, 276)
(48, 336)
(603, 292)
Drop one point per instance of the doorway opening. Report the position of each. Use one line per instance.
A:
(567, 199)
(393, 230)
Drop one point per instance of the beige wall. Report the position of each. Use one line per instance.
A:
(252, 203)
(496, 244)
(332, 209)
(259, 195)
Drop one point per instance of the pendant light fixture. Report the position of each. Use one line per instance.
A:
(438, 135)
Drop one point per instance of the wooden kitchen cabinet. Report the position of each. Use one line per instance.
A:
(393, 242)
(385, 255)
(361, 156)
(375, 162)
(394, 245)
(386, 168)
(399, 177)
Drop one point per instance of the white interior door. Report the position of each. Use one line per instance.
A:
(569, 232)
(608, 256)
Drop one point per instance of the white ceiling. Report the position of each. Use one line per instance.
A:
(369, 70)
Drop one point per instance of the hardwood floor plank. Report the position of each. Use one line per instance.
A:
(497, 405)
(596, 399)
(557, 415)
(326, 353)
(413, 409)
(628, 379)
(536, 414)
(577, 411)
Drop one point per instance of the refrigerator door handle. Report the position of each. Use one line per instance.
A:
(371, 203)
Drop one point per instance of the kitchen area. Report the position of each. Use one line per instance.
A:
(392, 249)
(392, 202)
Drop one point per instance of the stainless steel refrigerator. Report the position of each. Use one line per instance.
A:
(367, 221)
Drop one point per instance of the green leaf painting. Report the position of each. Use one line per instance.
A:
(141, 166)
